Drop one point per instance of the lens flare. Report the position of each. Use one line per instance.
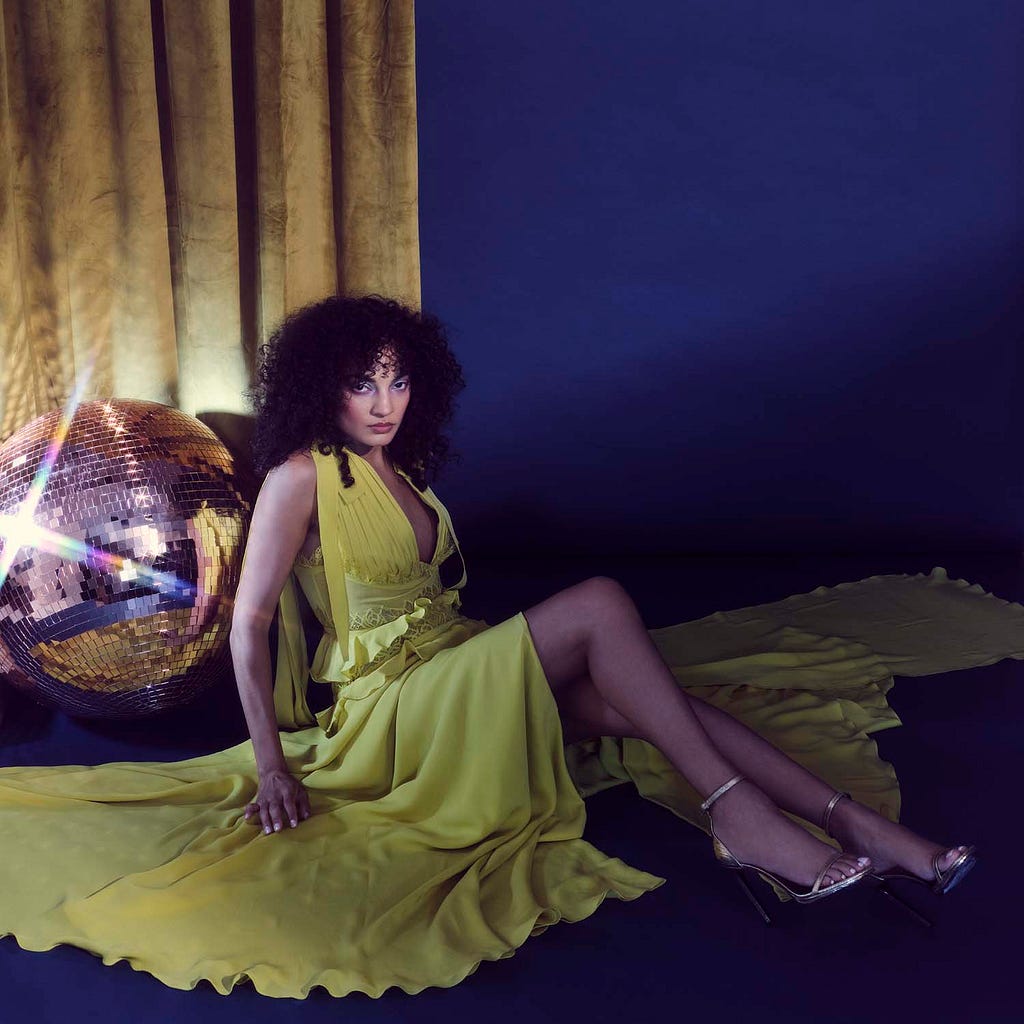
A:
(121, 528)
(17, 529)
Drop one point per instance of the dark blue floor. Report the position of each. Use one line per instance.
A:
(694, 946)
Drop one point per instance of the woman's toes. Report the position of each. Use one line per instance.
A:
(853, 867)
(840, 870)
(949, 856)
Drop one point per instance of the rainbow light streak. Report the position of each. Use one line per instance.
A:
(77, 550)
(21, 524)
(20, 530)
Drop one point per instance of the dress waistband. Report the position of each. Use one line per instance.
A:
(378, 612)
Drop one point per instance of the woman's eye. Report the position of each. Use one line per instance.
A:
(358, 389)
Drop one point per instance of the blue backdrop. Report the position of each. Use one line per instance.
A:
(727, 275)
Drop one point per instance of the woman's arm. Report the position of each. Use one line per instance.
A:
(280, 522)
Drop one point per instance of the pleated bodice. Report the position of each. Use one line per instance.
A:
(382, 608)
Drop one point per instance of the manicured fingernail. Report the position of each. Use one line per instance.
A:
(863, 860)
(267, 829)
(294, 823)
(277, 826)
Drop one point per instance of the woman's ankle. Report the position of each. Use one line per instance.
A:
(859, 828)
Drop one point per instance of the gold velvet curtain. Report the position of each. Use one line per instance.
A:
(176, 175)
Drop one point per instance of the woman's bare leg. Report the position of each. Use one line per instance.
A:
(585, 712)
(857, 828)
(595, 629)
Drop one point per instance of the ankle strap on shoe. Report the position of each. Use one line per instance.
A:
(723, 788)
(839, 794)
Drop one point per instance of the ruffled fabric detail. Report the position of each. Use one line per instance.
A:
(377, 656)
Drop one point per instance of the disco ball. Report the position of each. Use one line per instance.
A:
(117, 599)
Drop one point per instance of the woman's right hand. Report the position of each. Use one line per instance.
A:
(281, 797)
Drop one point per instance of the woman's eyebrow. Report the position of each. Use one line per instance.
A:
(397, 376)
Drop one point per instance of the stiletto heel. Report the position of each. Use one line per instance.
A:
(758, 905)
(912, 911)
(727, 860)
(943, 881)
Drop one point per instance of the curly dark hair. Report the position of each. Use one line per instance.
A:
(322, 348)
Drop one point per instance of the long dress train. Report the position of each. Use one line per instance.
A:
(448, 815)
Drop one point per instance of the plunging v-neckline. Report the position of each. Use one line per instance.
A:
(401, 511)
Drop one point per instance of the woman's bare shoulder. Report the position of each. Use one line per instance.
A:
(298, 468)
(280, 523)
(291, 485)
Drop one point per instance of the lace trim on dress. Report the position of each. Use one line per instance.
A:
(402, 576)
(317, 558)
(436, 615)
(388, 613)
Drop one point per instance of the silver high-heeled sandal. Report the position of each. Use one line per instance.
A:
(944, 880)
(819, 890)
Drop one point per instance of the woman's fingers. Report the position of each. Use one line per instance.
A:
(291, 809)
(275, 812)
(266, 808)
(256, 815)
(288, 804)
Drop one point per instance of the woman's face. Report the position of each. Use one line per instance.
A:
(375, 400)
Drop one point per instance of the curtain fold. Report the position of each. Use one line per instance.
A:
(176, 175)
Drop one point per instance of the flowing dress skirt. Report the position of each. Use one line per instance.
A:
(448, 816)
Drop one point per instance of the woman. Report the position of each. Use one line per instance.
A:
(426, 819)
(396, 379)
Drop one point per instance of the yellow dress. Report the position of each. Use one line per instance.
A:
(448, 816)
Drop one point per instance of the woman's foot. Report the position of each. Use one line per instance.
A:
(888, 844)
(756, 832)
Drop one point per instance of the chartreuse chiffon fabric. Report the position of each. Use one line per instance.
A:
(448, 816)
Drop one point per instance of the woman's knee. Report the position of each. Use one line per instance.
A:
(604, 594)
